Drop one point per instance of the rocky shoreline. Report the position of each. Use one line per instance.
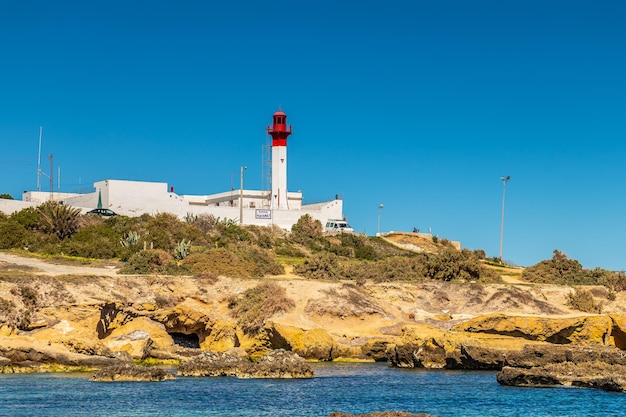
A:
(593, 374)
(93, 323)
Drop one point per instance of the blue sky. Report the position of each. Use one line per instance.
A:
(419, 105)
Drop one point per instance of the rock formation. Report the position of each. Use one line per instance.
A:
(129, 372)
(593, 374)
(277, 364)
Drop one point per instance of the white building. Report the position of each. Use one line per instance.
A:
(278, 206)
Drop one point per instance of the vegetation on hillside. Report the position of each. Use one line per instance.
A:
(564, 271)
(207, 246)
(258, 304)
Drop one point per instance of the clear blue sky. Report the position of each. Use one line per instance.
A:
(419, 105)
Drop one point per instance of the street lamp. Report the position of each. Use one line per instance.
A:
(241, 194)
(380, 209)
(504, 181)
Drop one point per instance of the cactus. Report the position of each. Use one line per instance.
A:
(182, 249)
(190, 218)
(131, 238)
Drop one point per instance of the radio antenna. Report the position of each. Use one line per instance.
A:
(39, 161)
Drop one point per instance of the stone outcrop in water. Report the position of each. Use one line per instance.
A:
(276, 364)
(594, 374)
(130, 372)
(423, 347)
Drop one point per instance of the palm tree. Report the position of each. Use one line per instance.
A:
(57, 219)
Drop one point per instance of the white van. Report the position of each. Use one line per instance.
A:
(339, 226)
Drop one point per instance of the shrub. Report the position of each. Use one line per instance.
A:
(321, 266)
(451, 264)
(152, 262)
(306, 229)
(28, 217)
(12, 234)
(256, 305)
(563, 271)
(583, 300)
(219, 261)
(206, 223)
(98, 241)
(262, 259)
(615, 281)
(284, 248)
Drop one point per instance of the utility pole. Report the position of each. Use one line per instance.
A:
(241, 194)
(504, 181)
(39, 161)
(51, 177)
(380, 209)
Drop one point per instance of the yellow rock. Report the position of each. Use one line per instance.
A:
(578, 330)
(138, 337)
(618, 336)
(310, 344)
(223, 336)
(7, 331)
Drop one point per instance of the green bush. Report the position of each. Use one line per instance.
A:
(256, 305)
(583, 300)
(12, 234)
(306, 230)
(615, 281)
(152, 262)
(284, 248)
(98, 241)
(263, 260)
(562, 271)
(219, 261)
(28, 217)
(321, 266)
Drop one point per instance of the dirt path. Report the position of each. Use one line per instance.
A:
(46, 268)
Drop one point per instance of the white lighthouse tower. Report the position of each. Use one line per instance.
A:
(279, 134)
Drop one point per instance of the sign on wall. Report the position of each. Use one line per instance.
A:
(263, 214)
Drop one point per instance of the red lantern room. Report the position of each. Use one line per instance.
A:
(279, 131)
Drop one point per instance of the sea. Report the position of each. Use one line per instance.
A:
(346, 387)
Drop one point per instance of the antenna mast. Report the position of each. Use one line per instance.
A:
(51, 177)
(39, 161)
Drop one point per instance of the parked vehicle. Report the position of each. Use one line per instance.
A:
(338, 226)
(102, 212)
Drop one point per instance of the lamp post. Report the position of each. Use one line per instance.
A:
(241, 194)
(504, 181)
(380, 209)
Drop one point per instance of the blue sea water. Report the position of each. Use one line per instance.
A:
(351, 388)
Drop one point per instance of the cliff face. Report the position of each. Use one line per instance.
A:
(74, 320)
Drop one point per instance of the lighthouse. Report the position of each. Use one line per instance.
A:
(279, 134)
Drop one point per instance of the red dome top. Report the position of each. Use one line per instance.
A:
(279, 113)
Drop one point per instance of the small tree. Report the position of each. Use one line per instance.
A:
(6, 196)
(306, 229)
(59, 220)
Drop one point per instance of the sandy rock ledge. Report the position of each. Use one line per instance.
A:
(595, 374)
(276, 364)
(129, 372)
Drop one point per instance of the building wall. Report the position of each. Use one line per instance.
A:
(134, 198)
(39, 197)
(11, 206)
